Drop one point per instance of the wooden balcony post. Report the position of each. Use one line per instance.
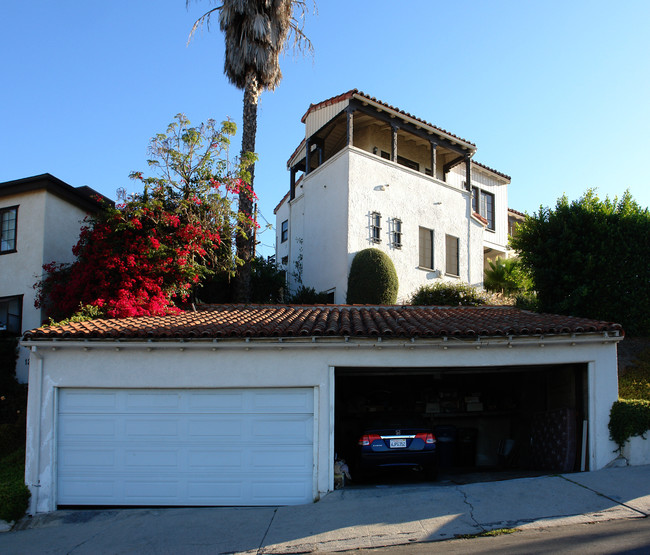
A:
(350, 125)
(292, 184)
(434, 157)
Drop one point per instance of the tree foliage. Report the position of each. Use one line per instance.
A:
(507, 276)
(146, 255)
(372, 278)
(590, 258)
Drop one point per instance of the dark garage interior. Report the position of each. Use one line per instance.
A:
(496, 420)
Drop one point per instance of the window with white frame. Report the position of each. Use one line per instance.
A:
(284, 231)
(375, 227)
(426, 248)
(8, 227)
(11, 309)
(451, 255)
(397, 233)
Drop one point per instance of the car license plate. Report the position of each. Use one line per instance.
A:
(397, 443)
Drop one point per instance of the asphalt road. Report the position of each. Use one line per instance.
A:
(628, 536)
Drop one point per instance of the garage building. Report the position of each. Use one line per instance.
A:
(248, 405)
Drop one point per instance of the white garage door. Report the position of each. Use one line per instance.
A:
(185, 447)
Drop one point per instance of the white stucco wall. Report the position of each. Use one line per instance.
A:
(637, 450)
(63, 222)
(20, 270)
(329, 223)
(378, 185)
(48, 228)
(290, 363)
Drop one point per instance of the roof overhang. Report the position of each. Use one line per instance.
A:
(326, 342)
(84, 197)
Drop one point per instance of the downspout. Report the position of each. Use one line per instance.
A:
(32, 473)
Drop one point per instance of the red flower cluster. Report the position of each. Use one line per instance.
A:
(131, 262)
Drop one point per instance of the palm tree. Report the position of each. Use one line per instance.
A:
(256, 32)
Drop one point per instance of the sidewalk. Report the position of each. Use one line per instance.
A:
(344, 519)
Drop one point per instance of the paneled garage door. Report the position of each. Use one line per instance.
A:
(185, 447)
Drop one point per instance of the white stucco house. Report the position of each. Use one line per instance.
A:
(41, 217)
(368, 174)
(249, 405)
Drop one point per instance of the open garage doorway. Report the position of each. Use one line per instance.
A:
(506, 421)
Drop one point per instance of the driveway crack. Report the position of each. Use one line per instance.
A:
(83, 542)
(260, 549)
(471, 507)
(603, 495)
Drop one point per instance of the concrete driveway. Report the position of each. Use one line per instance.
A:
(345, 519)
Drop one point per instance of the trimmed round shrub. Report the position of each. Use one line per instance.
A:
(372, 279)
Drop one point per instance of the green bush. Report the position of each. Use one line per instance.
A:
(13, 399)
(14, 494)
(507, 276)
(628, 418)
(308, 295)
(448, 294)
(634, 382)
(372, 279)
(527, 300)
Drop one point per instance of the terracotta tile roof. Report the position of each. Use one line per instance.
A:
(480, 218)
(488, 168)
(516, 212)
(266, 321)
(328, 102)
(357, 92)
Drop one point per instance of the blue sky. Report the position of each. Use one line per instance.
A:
(554, 94)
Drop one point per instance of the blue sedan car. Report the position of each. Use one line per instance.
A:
(394, 442)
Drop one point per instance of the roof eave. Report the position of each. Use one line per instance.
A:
(415, 121)
(569, 339)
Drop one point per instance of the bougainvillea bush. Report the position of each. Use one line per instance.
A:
(146, 255)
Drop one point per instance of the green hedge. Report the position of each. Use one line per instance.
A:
(628, 418)
(14, 494)
(448, 294)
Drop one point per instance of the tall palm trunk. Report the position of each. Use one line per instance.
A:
(244, 240)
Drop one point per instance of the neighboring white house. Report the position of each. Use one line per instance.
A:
(41, 218)
(370, 175)
(248, 405)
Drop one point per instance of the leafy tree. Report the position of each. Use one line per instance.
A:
(372, 278)
(256, 32)
(590, 258)
(150, 252)
(506, 275)
(448, 294)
